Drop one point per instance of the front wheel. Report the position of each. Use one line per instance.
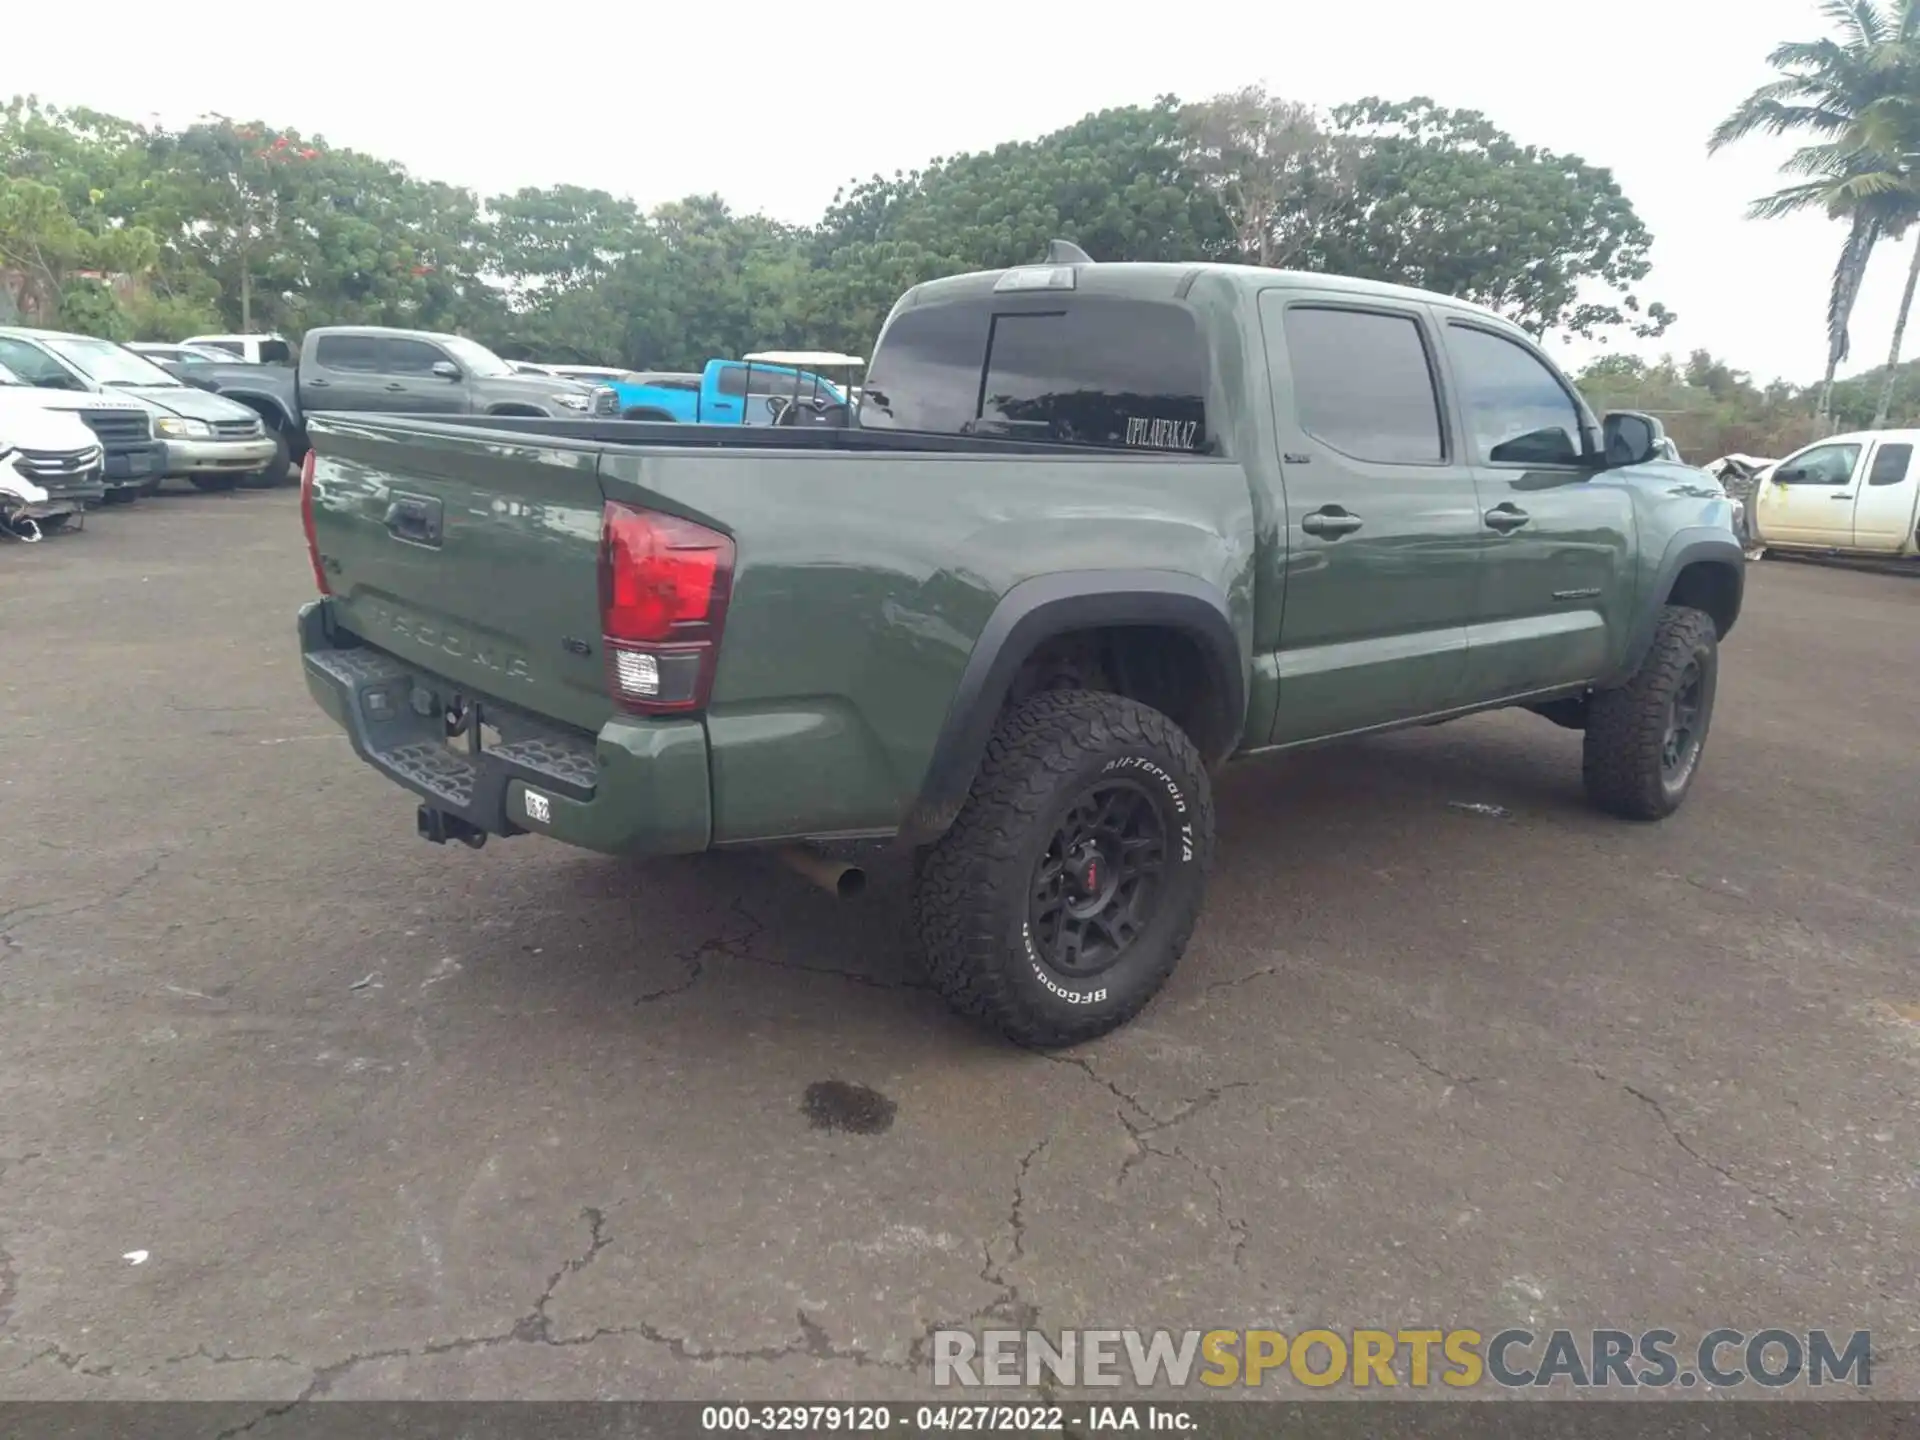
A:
(1066, 890)
(1645, 739)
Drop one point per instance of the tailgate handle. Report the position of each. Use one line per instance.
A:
(416, 518)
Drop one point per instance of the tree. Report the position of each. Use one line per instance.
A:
(1853, 97)
(1276, 172)
(1448, 201)
(41, 238)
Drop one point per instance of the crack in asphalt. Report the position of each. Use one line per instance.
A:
(71, 1362)
(1239, 980)
(37, 910)
(1463, 1081)
(740, 947)
(1673, 1131)
(536, 1328)
(222, 1357)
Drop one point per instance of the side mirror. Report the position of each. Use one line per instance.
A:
(1630, 438)
(446, 369)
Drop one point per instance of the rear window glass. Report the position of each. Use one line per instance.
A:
(347, 352)
(1362, 384)
(1890, 464)
(1116, 374)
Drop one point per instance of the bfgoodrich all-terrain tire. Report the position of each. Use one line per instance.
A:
(1065, 892)
(1645, 739)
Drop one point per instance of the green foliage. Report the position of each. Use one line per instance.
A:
(239, 224)
(89, 307)
(1855, 100)
(1448, 201)
(1709, 408)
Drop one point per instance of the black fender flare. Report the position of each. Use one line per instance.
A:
(1040, 609)
(1693, 545)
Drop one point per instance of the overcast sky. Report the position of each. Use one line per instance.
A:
(774, 106)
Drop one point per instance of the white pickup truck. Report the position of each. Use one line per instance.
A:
(1855, 494)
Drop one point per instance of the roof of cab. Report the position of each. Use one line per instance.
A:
(1154, 280)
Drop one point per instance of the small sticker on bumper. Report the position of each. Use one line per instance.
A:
(539, 808)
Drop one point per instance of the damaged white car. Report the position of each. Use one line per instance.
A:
(50, 465)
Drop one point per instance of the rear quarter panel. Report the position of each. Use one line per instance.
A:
(863, 582)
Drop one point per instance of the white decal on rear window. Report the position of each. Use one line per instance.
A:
(1146, 433)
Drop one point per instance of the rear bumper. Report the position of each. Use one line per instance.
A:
(639, 787)
(218, 457)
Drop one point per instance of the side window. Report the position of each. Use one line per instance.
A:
(1517, 410)
(347, 352)
(232, 347)
(1362, 383)
(408, 357)
(1822, 465)
(926, 370)
(275, 352)
(1890, 464)
(1118, 374)
(35, 366)
(733, 380)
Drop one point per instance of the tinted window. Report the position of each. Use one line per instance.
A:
(926, 371)
(1361, 383)
(1102, 373)
(348, 352)
(232, 347)
(1890, 464)
(1822, 465)
(1517, 411)
(275, 352)
(35, 366)
(733, 381)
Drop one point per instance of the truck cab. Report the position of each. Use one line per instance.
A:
(1856, 494)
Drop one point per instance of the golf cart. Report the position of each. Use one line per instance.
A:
(830, 400)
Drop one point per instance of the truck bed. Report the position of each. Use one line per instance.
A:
(867, 565)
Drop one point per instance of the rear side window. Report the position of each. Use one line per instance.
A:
(733, 380)
(275, 352)
(348, 352)
(1890, 464)
(232, 347)
(1363, 384)
(1114, 374)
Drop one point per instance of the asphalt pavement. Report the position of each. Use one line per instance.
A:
(386, 1119)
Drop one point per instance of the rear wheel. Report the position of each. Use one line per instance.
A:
(214, 482)
(275, 472)
(1064, 894)
(1645, 739)
(53, 524)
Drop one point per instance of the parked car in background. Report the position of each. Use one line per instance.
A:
(51, 463)
(724, 392)
(211, 442)
(588, 374)
(256, 349)
(182, 354)
(527, 367)
(1856, 494)
(408, 372)
(131, 459)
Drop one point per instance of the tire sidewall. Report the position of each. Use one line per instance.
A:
(275, 473)
(1702, 651)
(1123, 987)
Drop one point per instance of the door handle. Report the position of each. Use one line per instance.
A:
(1330, 522)
(1505, 518)
(322, 384)
(416, 518)
(396, 385)
(1847, 496)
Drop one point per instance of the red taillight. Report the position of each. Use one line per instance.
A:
(664, 584)
(306, 521)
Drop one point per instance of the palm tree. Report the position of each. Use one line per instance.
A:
(1858, 99)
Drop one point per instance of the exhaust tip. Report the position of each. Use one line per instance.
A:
(839, 878)
(852, 881)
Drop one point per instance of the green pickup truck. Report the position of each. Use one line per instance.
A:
(1096, 530)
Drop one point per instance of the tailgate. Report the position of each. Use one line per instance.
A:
(473, 554)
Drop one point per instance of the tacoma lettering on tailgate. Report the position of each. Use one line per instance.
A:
(450, 642)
